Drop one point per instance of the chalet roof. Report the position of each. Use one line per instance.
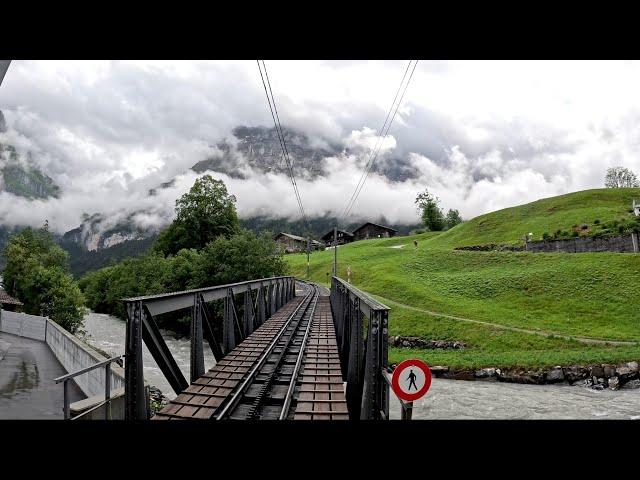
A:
(329, 235)
(296, 237)
(375, 225)
(7, 299)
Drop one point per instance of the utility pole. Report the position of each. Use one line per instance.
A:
(335, 251)
(307, 257)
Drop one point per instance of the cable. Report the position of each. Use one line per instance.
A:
(285, 151)
(374, 153)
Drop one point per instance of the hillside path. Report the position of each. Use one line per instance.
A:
(543, 333)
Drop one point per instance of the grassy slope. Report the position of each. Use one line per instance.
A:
(546, 215)
(588, 295)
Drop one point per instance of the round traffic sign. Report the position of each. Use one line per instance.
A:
(411, 380)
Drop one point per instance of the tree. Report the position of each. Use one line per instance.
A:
(620, 177)
(453, 218)
(37, 272)
(204, 213)
(242, 257)
(430, 211)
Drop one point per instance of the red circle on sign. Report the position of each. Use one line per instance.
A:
(395, 380)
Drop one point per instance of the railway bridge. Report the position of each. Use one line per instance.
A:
(284, 349)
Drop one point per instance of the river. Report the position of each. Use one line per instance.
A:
(447, 399)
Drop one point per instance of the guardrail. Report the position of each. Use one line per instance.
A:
(407, 407)
(361, 324)
(107, 388)
(260, 299)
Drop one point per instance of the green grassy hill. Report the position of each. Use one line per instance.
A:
(502, 299)
(509, 225)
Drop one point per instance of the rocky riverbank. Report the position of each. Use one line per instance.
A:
(598, 377)
(157, 400)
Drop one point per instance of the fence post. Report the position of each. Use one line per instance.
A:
(197, 350)
(67, 413)
(261, 305)
(107, 391)
(355, 351)
(228, 326)
(134, 374)
(384, 363)
(248, 314)
(372, 371)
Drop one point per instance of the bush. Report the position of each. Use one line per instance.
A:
(546, 236)
(596, 222)
(575, 234)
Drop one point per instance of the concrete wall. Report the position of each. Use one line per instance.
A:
(23, 325)
(622, 244)
(75, 355)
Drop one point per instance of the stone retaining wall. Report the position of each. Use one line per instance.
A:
(622, 244)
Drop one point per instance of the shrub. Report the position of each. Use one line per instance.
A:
(575, 234)
(546, 236)
(596, 221)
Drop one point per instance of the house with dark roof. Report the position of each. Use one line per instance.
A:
(373, 230)
(294, 243)
(343, 237)
(7, 302)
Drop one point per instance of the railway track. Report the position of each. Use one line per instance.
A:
(268, 389)
(287, 369)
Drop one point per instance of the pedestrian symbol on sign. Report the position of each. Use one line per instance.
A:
(411, 380)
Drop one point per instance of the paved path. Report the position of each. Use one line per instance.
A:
(543, 333)
(27, 390)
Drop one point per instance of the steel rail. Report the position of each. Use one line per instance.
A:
(278, 361)
(235, 398)
(294, 376)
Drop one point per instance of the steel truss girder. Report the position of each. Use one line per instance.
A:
(362, 359)
(271, 295)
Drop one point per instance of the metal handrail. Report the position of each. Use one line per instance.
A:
(107, 387)
(407, 407)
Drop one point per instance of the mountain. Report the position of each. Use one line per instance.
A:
(22, 177)
(92, 243)
(259, 148)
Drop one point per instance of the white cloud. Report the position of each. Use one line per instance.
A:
(480, 134)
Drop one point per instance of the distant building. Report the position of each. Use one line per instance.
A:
(293, 243)
(343, 237)
(7, 302)
(373, 230)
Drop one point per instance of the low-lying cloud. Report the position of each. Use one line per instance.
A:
(479, 135)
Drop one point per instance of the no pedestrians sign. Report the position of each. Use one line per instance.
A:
(411, 380)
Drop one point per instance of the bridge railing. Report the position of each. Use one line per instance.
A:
(361, 324)
(107, 388)
(259, 300)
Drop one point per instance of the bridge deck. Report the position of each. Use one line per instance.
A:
(319, 394)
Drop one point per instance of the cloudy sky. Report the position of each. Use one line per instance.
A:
(482, 135)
